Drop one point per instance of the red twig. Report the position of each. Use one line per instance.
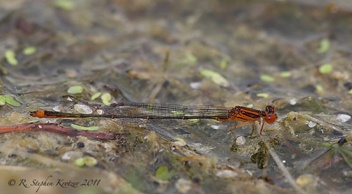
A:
(55, 128)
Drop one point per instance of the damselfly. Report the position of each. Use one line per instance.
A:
(172, 111)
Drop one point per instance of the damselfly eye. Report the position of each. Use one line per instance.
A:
(270, 118)
(270, 109)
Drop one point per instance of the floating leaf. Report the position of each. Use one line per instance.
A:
(191, 58)
(285, 74)
(79, 162)
(64, 4)
(2, 100)
(107, 103)
(328, 145)
(325, 68)
(90, 161)
(92, 128)
(11, 101)
(350, 92)
(304, 180)
(33, 121)
(29, 50)
(11, 57)
(75, 90)
(215, 77)
(324, 46)
(319, 88)
(264, 95)
(177, 112)
(96, 95)
(150, 107)
(162, 173)
(223, 64)
(106, 97)
(267, 78)
(180, 142)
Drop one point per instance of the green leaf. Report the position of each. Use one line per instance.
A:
(96, 95)
(11, 101)
(319, 88)
(92, 128)
(33, 121)
(75, 90)
(180, 141)
(325, 68)
(90, 161)
(191, 58)
(162, 173)
(29, 50)
(177, 112)
(328, 145)
(324, 46)
(107, 103)
(106, 97)
(215, 77)
(350, 92)
(64, 4)
(79, 162)
(264, 95)
(285, 74)
(223, 64)
(150, 107)
(11, 57)
(2, 100)
(267, 78)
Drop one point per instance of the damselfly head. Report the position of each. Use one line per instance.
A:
(270, 116)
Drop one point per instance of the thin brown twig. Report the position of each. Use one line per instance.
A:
(55, 128)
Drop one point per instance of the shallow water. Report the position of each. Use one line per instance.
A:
(295, 55)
